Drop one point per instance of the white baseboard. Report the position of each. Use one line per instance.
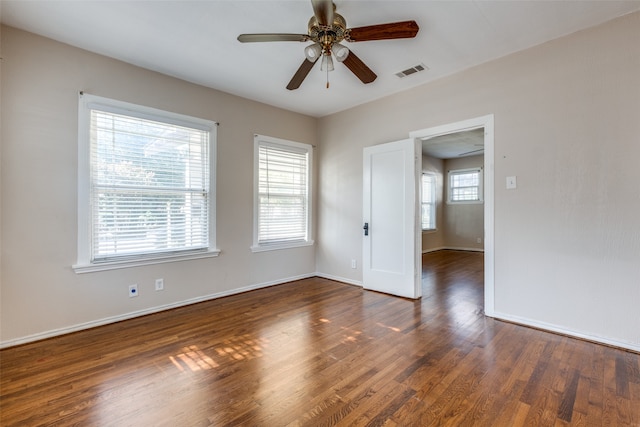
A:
(131, 315)
(426, 251)
(557, 329)
(452, 248)
(339, 279)
(151, 310)
(521, 320)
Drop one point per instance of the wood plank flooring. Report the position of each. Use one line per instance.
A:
(320, 353)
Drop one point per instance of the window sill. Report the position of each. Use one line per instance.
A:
(465, 202)
(114, 265)
(278, 246)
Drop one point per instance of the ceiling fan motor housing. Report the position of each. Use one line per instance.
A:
(328, 35)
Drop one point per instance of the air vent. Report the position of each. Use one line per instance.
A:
(412, 70)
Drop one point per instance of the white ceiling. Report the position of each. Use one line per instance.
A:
(454, 145)
(196, 40)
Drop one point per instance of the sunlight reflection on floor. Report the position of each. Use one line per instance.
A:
(243, 347)
(193, 359)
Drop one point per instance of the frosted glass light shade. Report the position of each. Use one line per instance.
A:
(327, 63)
(340, 52)
(313, 52)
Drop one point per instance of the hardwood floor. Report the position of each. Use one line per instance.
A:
(318, 352)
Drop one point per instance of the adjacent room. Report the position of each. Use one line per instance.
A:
(319, 213)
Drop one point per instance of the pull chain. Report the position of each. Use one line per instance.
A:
(327, 77)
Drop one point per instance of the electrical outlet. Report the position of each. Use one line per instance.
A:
(353, 263)
(159, 284)
(479, 240)
(133, 290)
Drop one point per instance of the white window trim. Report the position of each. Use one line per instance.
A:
(480, 187)
(86, 102)
(257, 247)
(434, 201)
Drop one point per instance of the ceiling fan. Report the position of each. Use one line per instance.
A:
(326, 29)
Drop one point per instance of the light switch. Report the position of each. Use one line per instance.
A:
(511, 183)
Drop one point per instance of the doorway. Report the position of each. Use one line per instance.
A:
(483, 126)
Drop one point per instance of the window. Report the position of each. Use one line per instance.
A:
(428, 201)
(465, 186)
(145, 185)
(282, 202)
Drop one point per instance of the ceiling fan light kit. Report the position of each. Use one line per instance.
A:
(313, 52)
(339, 51)
(326, 29)
(327, 63)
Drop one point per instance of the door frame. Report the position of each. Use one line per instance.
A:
(485, 122)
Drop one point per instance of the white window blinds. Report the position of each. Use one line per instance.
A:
(428, 201)
(283, 193)
(465, 185)
(149, 186)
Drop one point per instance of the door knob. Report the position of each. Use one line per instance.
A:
(366, 228)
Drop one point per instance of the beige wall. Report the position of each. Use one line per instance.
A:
(567, 241)
(567, 120)
(463, 223)
(40, 292)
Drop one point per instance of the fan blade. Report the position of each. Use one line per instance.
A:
(301, 74)
(252, 38)
(323, 10)
(393, 30)
(359, 68)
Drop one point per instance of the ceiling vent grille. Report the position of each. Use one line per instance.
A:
(412, 70)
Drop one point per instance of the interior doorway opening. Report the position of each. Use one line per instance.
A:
(462, 146)
(452, 195)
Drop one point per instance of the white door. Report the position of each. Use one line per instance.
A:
(391, 255)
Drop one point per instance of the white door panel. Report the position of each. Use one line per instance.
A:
(390, 252)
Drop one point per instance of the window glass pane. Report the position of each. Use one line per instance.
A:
(426, 217)
(428, 202)
(282, 194)
(465, 186)
(149, 186)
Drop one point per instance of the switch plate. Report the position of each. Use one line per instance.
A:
(159, 284)
(512, 183)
